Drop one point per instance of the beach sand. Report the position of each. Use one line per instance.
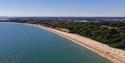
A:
(112, 54)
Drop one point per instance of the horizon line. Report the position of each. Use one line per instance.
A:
(62, 16)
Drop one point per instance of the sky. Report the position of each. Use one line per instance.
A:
(86, 8)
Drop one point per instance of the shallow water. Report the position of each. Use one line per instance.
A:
(20, 43)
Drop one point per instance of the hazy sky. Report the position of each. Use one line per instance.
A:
(62, 8)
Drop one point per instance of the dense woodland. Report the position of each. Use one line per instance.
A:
(111, 33)
(108, 32)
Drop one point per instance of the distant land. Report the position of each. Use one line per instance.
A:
(77, 19)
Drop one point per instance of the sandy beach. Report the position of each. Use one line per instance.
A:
(112, 54)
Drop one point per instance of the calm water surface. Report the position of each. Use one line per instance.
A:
(20, 43)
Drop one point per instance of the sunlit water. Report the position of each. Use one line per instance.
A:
(20, 43)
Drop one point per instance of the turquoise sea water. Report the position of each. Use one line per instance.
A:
(20, 43)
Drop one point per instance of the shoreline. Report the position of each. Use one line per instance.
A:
(112, 54)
